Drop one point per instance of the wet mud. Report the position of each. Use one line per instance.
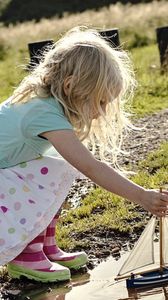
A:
(97, 284)
(104, 248)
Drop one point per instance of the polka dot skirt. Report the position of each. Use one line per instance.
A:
(30, 195)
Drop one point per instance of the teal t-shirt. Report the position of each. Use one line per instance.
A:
(21, 124)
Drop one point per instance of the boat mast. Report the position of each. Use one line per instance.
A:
(161, 241)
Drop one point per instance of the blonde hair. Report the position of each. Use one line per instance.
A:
(99, 73)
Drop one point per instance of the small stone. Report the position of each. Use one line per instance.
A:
(49, 290)
(14, 292)
(125, 246)
(115, 250)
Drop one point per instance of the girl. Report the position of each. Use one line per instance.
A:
(75, 94)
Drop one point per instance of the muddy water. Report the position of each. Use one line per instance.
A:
(98, 284)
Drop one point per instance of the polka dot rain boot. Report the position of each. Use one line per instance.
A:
(34, 264)
(73, 260)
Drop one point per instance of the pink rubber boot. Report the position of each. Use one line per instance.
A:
(73, 260)
(34, 264)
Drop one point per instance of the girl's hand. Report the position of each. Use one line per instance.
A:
(155, 202)
(69, 146)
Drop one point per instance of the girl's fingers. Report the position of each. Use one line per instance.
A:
(160, 210)
(165, 192)
(164, 196)
(163, 208)
(161, 213)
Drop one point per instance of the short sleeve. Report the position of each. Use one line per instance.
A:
(42, 117)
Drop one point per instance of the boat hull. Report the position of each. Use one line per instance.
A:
(149, 279)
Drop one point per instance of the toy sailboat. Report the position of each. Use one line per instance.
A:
(147, 264)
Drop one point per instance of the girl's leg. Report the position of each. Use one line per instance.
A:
(34, 264)
(73, 260)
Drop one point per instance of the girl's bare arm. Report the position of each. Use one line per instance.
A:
(69, 146)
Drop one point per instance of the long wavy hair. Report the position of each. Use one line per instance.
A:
(99, 74)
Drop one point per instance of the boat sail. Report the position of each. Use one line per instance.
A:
(147, 255)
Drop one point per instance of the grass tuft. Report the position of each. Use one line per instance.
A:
(102, 209)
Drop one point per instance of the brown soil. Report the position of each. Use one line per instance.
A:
(102, 244)
(154, 131)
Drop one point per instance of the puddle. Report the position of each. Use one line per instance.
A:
(98, 284)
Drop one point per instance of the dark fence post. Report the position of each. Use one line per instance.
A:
(112, 36)
(35, 51)
(162, 40)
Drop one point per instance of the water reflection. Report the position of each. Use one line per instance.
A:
(158, 293)
(98, 284)
(56, 293)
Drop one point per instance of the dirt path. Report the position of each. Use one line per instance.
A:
(141, 143)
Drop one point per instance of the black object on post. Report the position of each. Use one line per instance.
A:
(162, 40)
(112, 36)
(36, 50)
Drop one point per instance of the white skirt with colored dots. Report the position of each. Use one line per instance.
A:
(31, 193)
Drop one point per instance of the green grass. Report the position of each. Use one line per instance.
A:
(153, 171)
(151, 95)
(102, 209)
(156, 160)
(11, 72)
